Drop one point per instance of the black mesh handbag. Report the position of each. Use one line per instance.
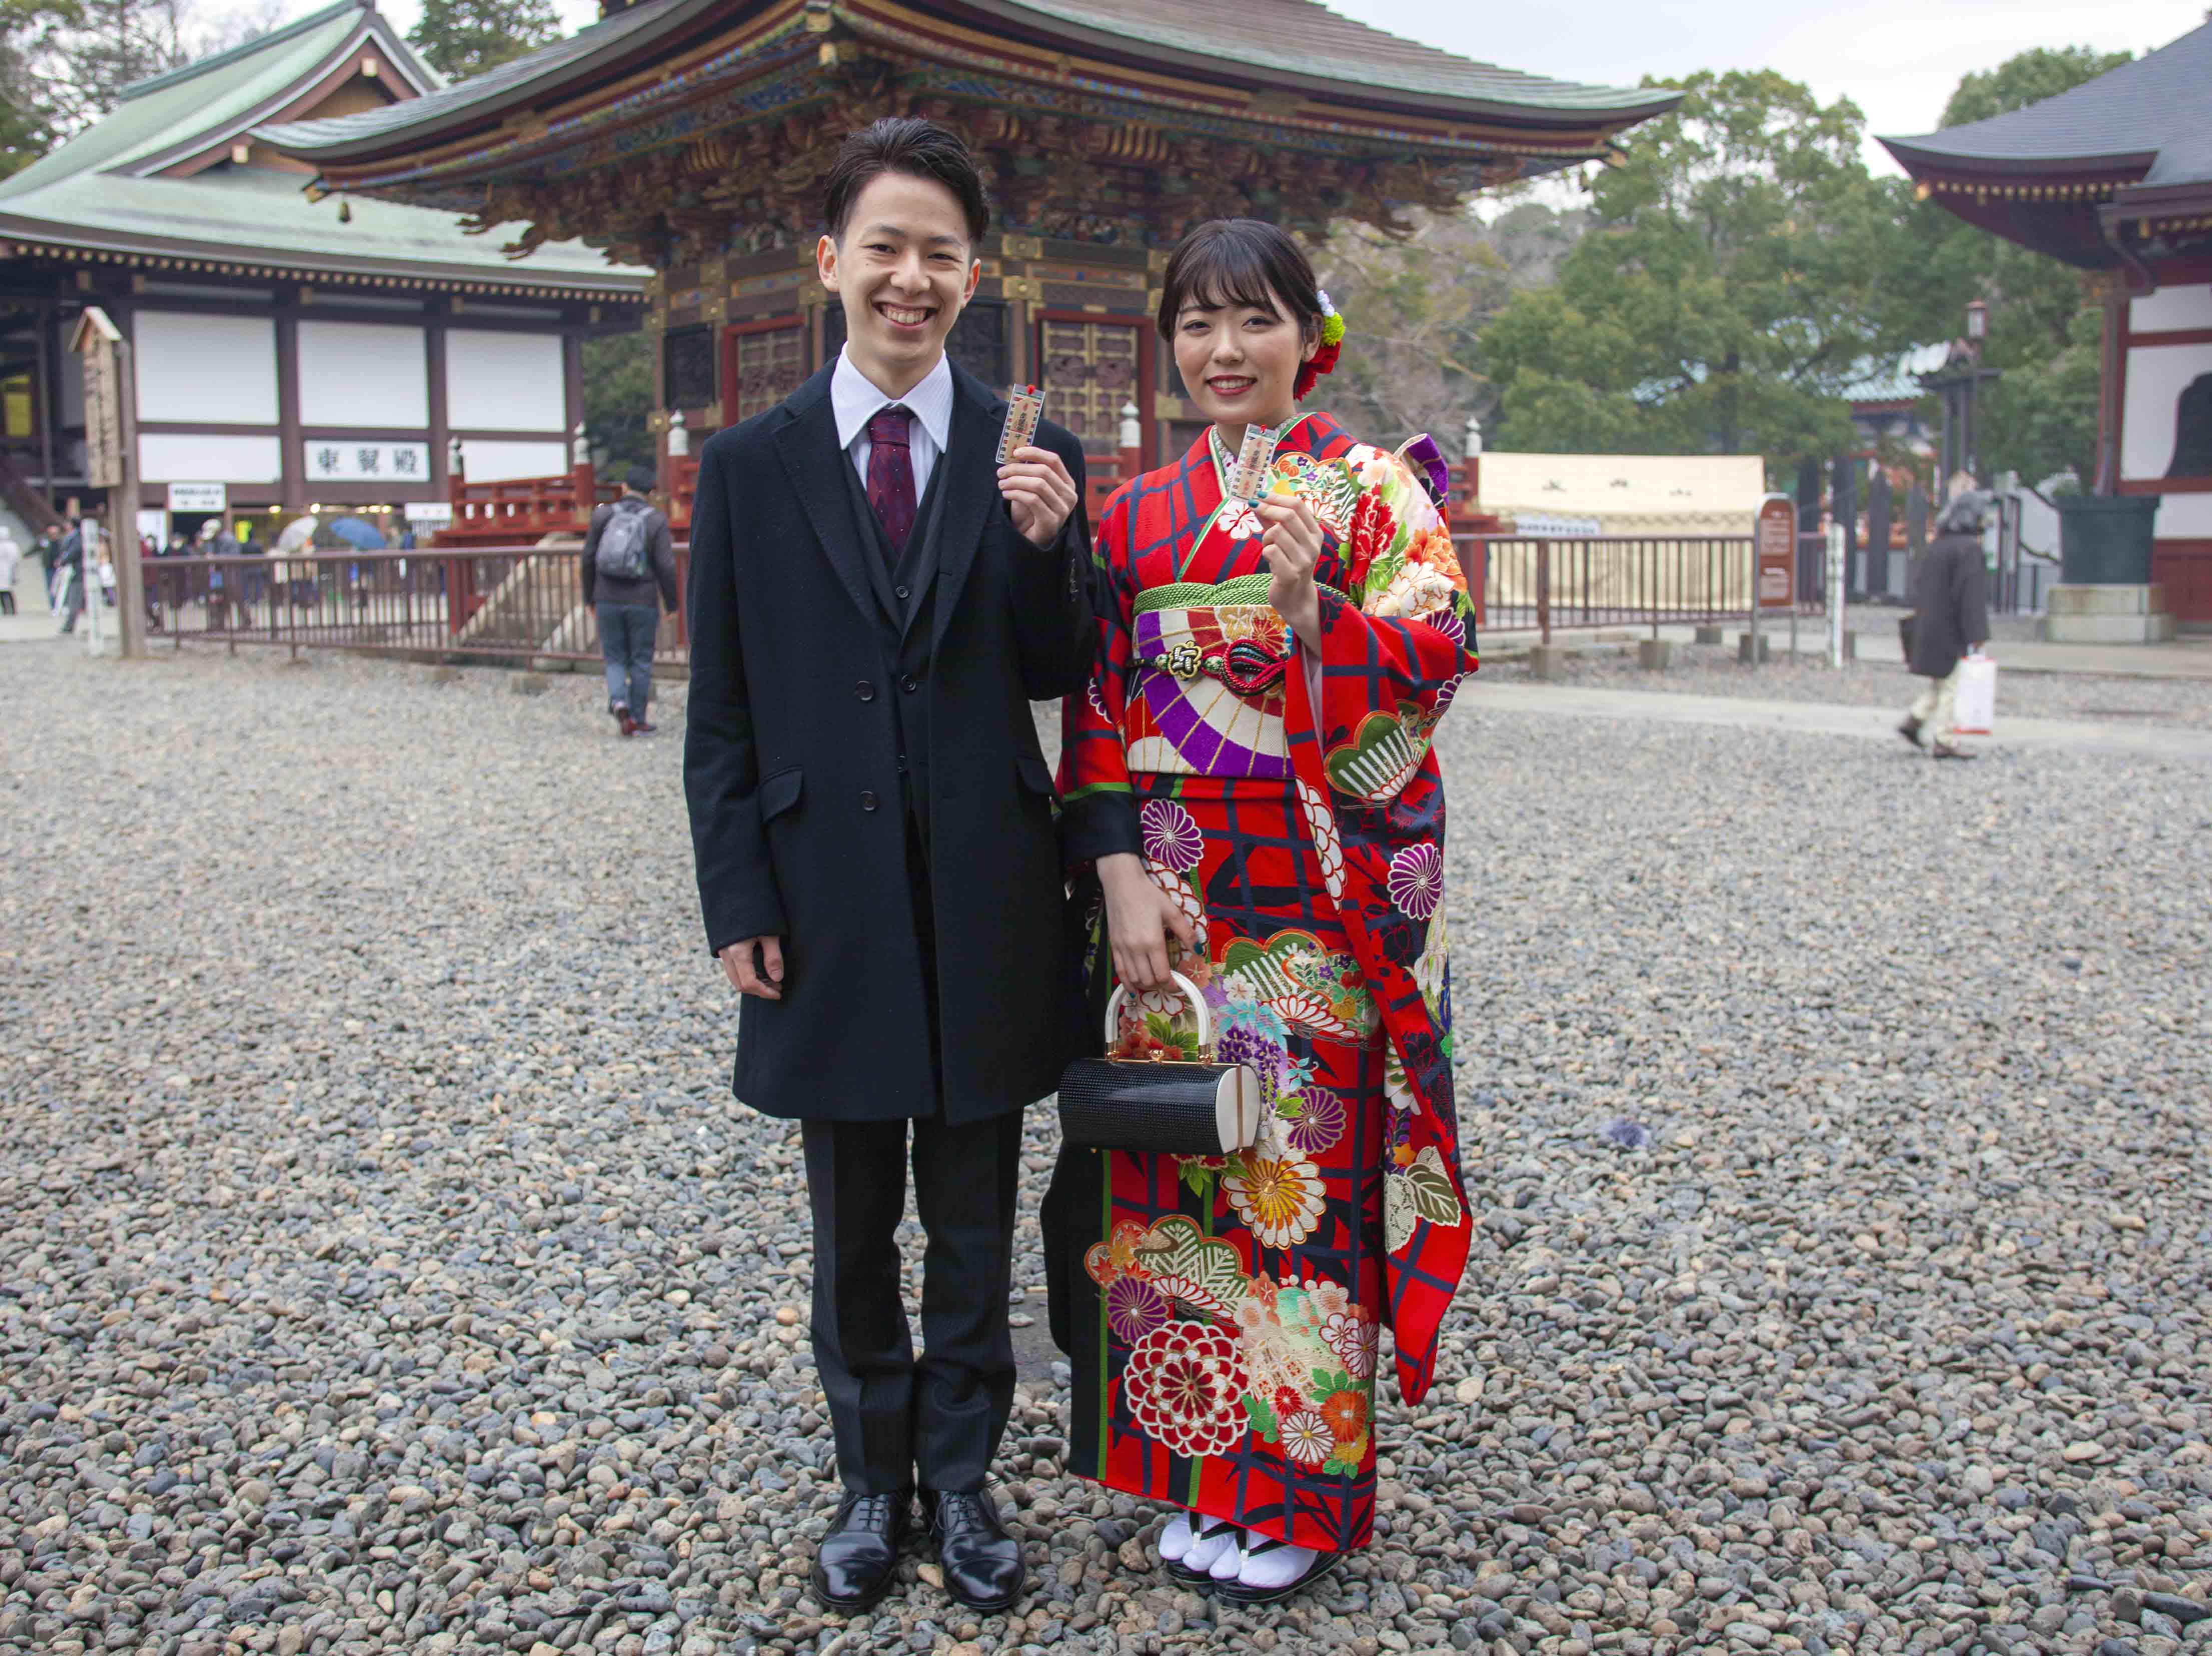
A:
(1163, 1106)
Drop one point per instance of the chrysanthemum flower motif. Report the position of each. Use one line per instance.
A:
(1183, 1383)
(1172, 838)
(1449, 691)
(1097, 697)
(1306, 1438)
(1279, 1198)
(1369, 467)
(1417, 879)
(1134, 1308)
(1319, 1123)
(1448, 623)
(1346, 1412)
(1239, 521)
(1353, 1338)
(1321, 823)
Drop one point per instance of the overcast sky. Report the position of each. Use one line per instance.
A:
(1897, 59)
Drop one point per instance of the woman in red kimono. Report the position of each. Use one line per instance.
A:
(1250, 775)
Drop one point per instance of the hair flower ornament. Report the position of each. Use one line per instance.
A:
(1332, 345)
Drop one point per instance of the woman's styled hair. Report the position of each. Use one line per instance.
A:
(1240, 261)
(904, 143)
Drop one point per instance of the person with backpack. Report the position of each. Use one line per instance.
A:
(630, 573)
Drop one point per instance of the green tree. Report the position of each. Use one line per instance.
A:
(1414, 307)
(29, 121)
(461, 37)
(617, 397)
(2041, 417)
(1737, 272)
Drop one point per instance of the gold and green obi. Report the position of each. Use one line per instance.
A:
(1207, 693)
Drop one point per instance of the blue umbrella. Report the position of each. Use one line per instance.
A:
(357, 532)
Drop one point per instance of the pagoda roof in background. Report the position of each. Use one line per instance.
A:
(156, 184)
(2117, 170)
(672, 126)
(1263, 43)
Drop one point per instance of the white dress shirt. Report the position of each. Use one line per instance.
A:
(855, 400)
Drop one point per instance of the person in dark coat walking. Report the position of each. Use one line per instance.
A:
(875, 601)
(628, 593)
(1950, 621)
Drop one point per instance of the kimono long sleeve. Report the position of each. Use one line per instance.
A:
(1099, 816)
(1393, 653)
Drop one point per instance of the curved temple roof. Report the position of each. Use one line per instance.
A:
(2154, 113)
(154, 177)
(1260, 44)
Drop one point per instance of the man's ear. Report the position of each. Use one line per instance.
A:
(826, 262)
(975, 275)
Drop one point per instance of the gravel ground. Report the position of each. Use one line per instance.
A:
(385, 1267)
(1713, 670)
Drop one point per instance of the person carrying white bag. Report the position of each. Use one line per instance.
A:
(1950, 624)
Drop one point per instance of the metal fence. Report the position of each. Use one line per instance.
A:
(1534, 583)
(503, 602)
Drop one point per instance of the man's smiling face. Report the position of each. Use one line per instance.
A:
(902, 269)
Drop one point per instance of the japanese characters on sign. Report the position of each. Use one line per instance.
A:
(336, 460)
(1776, 547)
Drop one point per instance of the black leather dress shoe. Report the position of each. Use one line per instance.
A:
(982, 1563)
(856, 1560)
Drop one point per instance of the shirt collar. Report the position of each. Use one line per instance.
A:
(854, 399)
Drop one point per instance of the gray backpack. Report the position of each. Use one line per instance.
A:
(625, 543)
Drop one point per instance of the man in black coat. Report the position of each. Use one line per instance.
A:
(1950, 621)
(874, 603)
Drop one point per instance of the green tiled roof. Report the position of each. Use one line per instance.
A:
(102, 189)
(257, 214)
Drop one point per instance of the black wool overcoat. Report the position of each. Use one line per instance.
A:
(791, 769)
(1949, 610)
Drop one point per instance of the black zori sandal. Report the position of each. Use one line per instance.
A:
(1177, 1570)
(1237, 1593)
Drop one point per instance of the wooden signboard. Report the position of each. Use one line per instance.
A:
(1775, 545)
(95, 341)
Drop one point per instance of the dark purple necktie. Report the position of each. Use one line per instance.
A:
(891, 476)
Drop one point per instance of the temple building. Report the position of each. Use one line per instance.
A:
(2115, 177)
(692, 136)
(290, 352)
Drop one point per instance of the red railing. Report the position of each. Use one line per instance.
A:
(503, 603)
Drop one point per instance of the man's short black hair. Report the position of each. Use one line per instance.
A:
(1239, 261)
(904, 143)
(640, 479)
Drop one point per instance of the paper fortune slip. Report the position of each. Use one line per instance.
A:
(1025, 406)
(1248, 478)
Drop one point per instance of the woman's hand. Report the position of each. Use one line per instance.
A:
(1139, 917)
(1292, 545)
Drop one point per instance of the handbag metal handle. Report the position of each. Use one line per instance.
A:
(1192, 998)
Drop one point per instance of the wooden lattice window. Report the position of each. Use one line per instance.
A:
(688, 368)
(769, 365)
(1088, 370)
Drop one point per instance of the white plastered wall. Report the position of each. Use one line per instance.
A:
(2157, 375)
(211, 370)
(493, 460)
(372, 374)
(183, 457)
(505, 382)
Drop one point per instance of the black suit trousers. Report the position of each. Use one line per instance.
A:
(898, 1419)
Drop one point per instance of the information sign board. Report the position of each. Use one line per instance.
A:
(1775, 545)
(199, 496)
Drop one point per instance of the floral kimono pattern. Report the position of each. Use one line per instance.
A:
(1223, 1314)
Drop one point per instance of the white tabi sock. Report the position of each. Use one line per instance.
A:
(1277, 1567)
(1213, 1540)
(1227, 1566)
(1176, 1538)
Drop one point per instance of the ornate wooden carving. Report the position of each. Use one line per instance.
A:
(1088, 370)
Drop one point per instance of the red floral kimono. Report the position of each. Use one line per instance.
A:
(1222, 1315)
